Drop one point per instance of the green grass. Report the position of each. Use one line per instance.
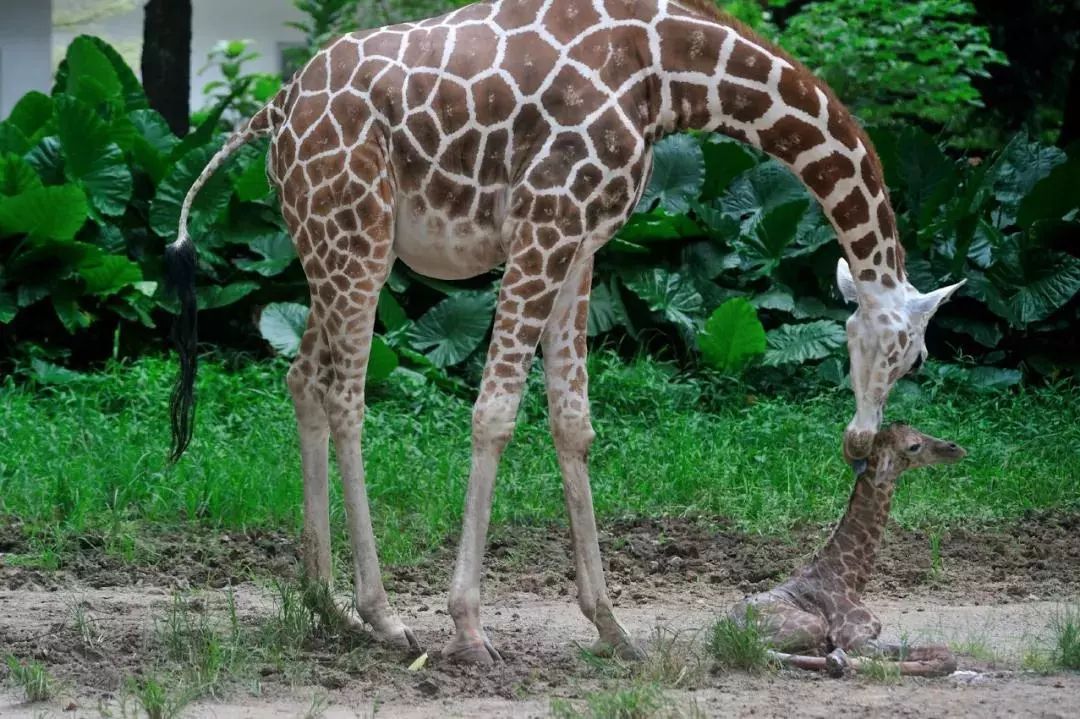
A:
(637, 701)
(1065, 629)
(91, 455)
(738, 645)
(32, 677)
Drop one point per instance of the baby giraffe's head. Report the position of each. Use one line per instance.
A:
(899, 447)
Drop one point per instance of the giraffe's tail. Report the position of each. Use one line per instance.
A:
(180, 264)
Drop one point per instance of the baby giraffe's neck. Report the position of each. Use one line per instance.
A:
(852, 548)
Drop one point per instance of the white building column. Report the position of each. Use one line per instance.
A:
(25, 50)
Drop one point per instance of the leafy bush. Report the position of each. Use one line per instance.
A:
(92, 180)
(751, 230)
(895, 61)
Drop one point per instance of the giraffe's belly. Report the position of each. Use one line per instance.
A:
(436, 247)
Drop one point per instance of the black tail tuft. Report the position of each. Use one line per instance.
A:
(180, 279)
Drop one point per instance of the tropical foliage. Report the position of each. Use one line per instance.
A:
(727, 261)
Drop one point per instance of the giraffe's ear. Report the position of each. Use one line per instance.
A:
(845, 282)
(926, 305)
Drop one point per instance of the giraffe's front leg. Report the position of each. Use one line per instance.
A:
(534, 275)
(566, 375)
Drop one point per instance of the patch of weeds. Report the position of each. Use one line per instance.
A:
(879, 670)
(638, 701)
(86, 627)
(738, 644)
(936, 566)
(671, 661)
(977, 648)
(206, 655)
(156, 699)
(319, 704)
(32, 677)
(1038, 660)
(1065, 627)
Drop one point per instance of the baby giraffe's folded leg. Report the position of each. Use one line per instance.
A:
(782, 625)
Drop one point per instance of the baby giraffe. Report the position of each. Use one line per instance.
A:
(818, 609)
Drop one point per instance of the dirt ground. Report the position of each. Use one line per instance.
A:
(992, 596)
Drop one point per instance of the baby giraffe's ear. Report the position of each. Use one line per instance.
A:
(845, 282)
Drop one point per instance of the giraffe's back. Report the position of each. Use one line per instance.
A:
(496, 111)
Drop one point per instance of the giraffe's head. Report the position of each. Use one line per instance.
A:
(885, 341)
(905, 447)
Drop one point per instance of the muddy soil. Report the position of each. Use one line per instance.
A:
(992, 595)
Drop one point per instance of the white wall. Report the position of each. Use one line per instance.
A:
(25, 49)
(214, 20)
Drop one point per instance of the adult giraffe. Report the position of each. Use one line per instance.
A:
(521, 133)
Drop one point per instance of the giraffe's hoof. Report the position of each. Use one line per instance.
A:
(624, 649)
(837, 663)
(477, 651)
(399, 637)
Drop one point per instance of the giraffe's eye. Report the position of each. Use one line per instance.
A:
(914, 448)
(917, 363)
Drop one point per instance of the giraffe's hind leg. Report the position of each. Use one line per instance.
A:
(566, 376)
(308, 378)
(345, 246)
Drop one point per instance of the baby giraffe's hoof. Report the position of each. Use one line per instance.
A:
(624, 649)
(474, 651)
(837, 663)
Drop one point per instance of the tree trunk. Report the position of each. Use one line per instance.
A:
(1070, 126)
(166, 60)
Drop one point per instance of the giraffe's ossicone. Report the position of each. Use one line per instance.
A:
(520, 133)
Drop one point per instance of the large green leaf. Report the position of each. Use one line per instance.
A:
(17, 176)
(1016, 170)
(110, 274)
(211, 200)
(9, 307)
(212, 297)
(277, 253)
(993, 378)
(252, 184)
(1038, 284)
(92, 158)
(757, 192)
(90, 76)
(678, 173)
(154, 143)
(767, 242)
(282, 324)
(670, 294)
(31, 113)
(657, 226)
(606, 309)
(1054, 197)
(47, 158)
(55, 213)
(381, 361)
(13, 140)
(453, 329)
(925, 176)
(796, 344)
(725, 159)
(733, 336)
(390, 312)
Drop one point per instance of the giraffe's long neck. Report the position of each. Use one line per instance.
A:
(852, 549)
(717, 76)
